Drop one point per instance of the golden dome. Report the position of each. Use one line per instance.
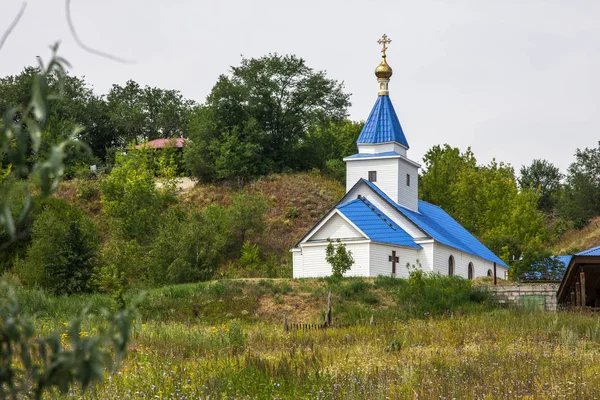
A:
(383, 70)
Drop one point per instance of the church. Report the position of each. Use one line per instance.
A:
(381, 220)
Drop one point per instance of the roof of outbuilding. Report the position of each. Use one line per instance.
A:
(594, 251)
(375, 224)
(382, 125)
(435, 222)
(162, 143)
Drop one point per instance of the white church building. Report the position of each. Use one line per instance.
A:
(381, 219)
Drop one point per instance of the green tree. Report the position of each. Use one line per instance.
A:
(580, 200)
(338, 257)
(442, 165)
(63, 250)
(129, 195)
(246, 218)
(542, 175)
(269, 105)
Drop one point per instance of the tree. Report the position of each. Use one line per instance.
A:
(580, 200)
(338, 257)
(270, 104)
(129, 195)
(543, 176)
(63, 250)
(246, 216)
(147, 113)
(442, 166)
(537, 264)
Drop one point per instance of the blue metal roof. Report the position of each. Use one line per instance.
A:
(594, 251)
(375, 224)
(382, 125)
(384, 154)
(564, 259)
(436, 223)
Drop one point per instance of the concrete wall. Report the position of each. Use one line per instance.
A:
(513, 294)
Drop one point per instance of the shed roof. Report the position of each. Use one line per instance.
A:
(162, 143)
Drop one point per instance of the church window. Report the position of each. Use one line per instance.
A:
(407, 179)
(490, 273)
(451, 266)
(471, 270)
(373, 176)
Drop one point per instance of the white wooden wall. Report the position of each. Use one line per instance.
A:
(310, 262)
(380, 262)
(408, 196)
(461, 263)
(387, 174)
(336, 228)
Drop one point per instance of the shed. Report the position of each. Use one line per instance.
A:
(580, 286)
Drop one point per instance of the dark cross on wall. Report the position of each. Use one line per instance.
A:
(394, 260)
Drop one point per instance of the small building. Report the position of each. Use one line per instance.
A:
(580, 286)
(164, 143)
(381, 219)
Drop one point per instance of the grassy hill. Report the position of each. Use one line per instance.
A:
(578, 240)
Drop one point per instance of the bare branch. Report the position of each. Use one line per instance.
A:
(10, 28)
(83, 45)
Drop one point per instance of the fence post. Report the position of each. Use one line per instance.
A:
(285, 323)
(328, 316)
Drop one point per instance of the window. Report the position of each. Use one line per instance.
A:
(373, 176)
(471, 270)
(407, 179)
(451, 266)
(490, 273)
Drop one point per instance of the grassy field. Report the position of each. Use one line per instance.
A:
(434, 337)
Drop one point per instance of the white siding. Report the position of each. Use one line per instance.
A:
(461, 263)
(336, 228)
(387, 209)
(425, 255)
(408, 196)
(380, 261)
(381, 148)
(297, 263)
(387, 174)
(314, 264)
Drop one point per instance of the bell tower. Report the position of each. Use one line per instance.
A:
(382, 146)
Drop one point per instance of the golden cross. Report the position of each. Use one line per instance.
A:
(384, 41)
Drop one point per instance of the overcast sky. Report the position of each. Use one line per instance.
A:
(515, 80)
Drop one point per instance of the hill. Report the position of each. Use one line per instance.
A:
(578, 240)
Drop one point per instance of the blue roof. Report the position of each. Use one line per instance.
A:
(382, 125)
(594, 251)
(384, 154)
(436, 223)
(375, 224)
(564, 259)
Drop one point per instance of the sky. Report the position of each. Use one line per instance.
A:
(515, 80)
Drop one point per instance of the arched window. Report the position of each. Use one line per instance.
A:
(471, 270)
(451, 266)
(490, 273)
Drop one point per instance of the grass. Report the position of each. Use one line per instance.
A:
(579, 240)
(225, 340)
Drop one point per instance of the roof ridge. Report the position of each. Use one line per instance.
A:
(375, 210)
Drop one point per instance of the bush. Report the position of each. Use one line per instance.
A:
(129, 195)
(63, 249)
(190, 246)
(87, 189)
(339, 258)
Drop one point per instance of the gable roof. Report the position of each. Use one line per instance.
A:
(376, 225)
(382, 125)
(162, 143)
(436, 223)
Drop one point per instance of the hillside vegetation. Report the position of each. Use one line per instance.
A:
(578, 239)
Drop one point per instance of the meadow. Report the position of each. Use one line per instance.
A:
(433, 337)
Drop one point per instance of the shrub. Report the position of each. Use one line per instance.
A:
(87, 189)
(129, 195)
(63, 249)
(246, 218)
(190, 246)
(339, 258)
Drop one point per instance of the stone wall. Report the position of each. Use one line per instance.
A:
(514, 294)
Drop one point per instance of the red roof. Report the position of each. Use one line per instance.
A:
(162, 143)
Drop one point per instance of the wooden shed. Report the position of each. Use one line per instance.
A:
(580, 286)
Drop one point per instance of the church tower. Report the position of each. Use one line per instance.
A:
(382, 147)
